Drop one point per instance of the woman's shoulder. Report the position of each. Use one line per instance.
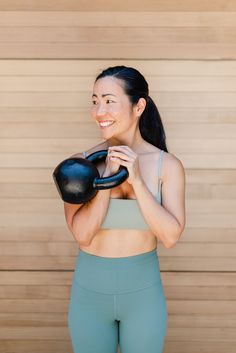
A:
(171, 164)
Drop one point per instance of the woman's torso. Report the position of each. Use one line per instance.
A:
(128, 242)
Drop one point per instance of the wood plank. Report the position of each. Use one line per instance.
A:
(199, 220)
(36, 346)
(207, 146)
(208, 176)
(128, 51)
(78, 83)
(33, 306)
(56, 263)
(211, 235)
(53, 278)
(195, 264)
(117, 18)
(39, 249)
(133, 35)
(150, 68)
(32, 333)
(198, 346)
(203, 334)
(201, 279)
(158, 5)
(197, 292)
(14, 233)
(48, 319)
(202, 320)
(200, 192)
(200, 307)
(59, 292)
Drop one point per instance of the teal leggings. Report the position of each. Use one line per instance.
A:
(117, 301)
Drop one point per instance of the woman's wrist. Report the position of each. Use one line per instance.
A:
(106, 173)
(137, 182)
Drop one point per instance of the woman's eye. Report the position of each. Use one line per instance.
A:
(108, 100)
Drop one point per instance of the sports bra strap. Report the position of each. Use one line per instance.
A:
(84, 154)
(160, 163)
(159, 169)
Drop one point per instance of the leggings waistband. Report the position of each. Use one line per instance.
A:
(101, 260)
(113, 275)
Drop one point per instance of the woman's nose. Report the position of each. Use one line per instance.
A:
(101, 110)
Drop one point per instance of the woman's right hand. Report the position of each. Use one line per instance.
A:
(111, 167)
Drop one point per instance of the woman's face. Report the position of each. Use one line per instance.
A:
(111, 108)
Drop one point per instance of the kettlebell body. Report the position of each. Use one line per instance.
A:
(78, 180)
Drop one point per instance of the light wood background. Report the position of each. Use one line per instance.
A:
(50, 53)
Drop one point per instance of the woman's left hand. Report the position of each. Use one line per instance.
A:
(124, 155)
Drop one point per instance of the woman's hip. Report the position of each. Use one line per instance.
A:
(117, 275)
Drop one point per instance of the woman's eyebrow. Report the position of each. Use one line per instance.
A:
(104, 95)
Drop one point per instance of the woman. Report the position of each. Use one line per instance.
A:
(117, 294)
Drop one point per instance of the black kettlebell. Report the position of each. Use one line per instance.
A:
(78, 180)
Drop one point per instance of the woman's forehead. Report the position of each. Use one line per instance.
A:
(108, 85)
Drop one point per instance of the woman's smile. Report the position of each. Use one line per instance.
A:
(105, 123)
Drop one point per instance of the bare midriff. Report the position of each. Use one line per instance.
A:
(121, 242)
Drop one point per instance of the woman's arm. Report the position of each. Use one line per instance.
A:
(84, 220)
(166, 221)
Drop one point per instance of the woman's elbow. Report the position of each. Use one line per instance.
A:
(84, 242)
(174, 238)
(82, 239)
(85, 238)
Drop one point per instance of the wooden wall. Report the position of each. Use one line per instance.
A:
(50, 54)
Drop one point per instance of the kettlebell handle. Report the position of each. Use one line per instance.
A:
(102, 183)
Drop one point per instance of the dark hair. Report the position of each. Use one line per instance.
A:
(135, 86)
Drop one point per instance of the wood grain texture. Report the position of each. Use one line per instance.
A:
(84, 35)
(51, 52)
(116, 5)
(113, 18)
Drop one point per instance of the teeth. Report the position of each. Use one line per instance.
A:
(106, 123)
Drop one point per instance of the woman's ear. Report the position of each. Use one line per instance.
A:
(140, 106)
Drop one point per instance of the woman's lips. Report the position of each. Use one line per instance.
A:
(105, 123)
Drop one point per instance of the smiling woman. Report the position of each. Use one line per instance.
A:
(117, 294)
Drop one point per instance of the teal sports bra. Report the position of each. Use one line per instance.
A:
(125, 213)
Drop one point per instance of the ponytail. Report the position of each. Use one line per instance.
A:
(151, 127)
